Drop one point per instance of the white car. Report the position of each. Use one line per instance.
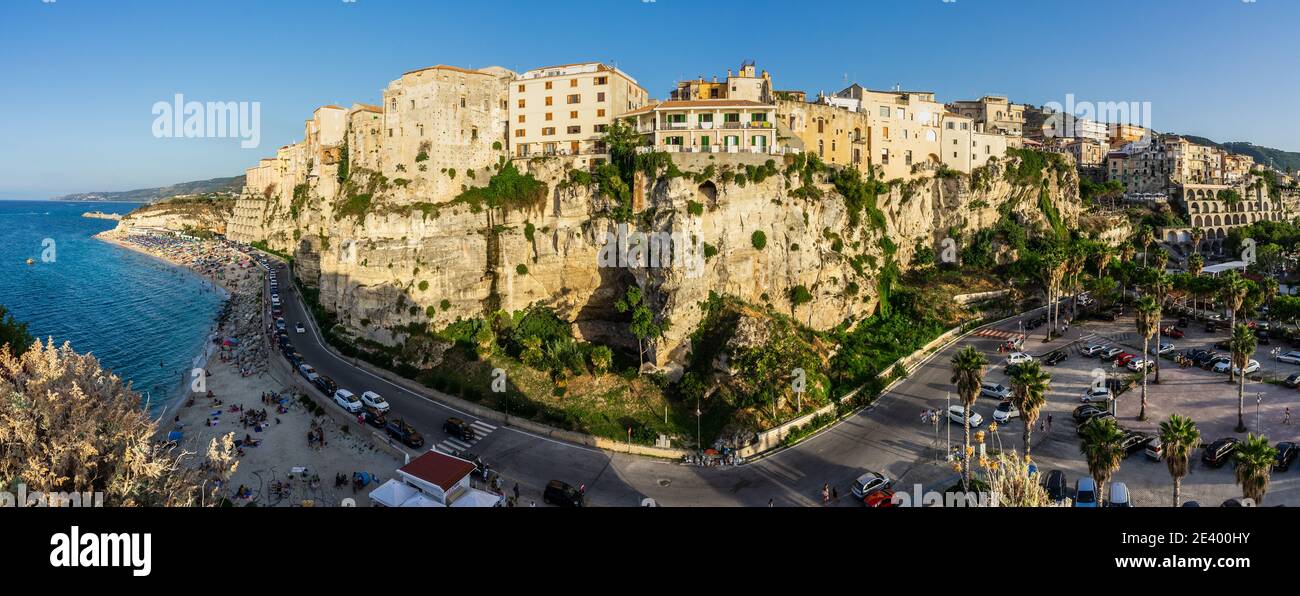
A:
(1138, 364)
(1006, 411)
(347, 401)
(870, 482)
(299, 328)
(305, 369)
(1290, 358)
(994, 390)
(957, 415)
(1019, 358)
(1095, 395)
(1110, 353)
(1093, 350)
(1251, 367)
(1163, 349)
(374, 400)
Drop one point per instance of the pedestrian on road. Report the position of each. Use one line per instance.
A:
(532, 503)
(516, 491)
(835, 494)
(769, 503)
(1049, 423)
(826, 493)
(1286, 416)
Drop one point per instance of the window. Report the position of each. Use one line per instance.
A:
(550, 116)
(907, 158)
(521, 118)
(575, 98)
(573, 130)
(600, 96)
(519, 132)
(573, 114)
(521, 103)
(390, 133)
(548, 100)
(548, 84)
(821, 126)
(462, 102)
(759, 117)
(412, 104)
(884, 111)
(902, 114)
(521, 88)
(758, 141)
(884, 157)
(600, 128)
(600, 113)
(392, 104)
(573, 82)
(884, 133)
(821, 148)
(673, 141)
(602, 80)
(548, 131)
(732, 117)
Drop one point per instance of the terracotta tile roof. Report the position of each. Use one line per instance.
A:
(447, 67)
(438, 468)
(365, 107)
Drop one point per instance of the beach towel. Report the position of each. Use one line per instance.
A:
(175, 435)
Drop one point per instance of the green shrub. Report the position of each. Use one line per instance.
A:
(696, 209)
(521, 269)
(758, 239)
(424, 286)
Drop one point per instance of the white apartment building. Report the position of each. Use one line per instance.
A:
(566, 109)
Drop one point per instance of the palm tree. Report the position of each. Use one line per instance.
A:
(1233, 291)
(1255, 459)
(1197, 235)
(1160, 288)
(1029, 389)
(1268, 287)
(968, 374)
(1161, 258)
(1148, 320)
(1050, 272)
(1126, 252)
(1195, 263)
(1243, 346)
(1102, 449)
(1178, 438)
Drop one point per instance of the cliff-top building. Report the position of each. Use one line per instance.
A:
(994, 113)
(566, 109)
(737, 115)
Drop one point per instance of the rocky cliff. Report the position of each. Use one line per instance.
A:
(180, 214)
(735, 225)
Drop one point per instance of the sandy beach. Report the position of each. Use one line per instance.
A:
(244, 392)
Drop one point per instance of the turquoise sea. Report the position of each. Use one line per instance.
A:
(144, 319)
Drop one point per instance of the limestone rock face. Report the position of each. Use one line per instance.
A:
(178, 214)
(403, 263)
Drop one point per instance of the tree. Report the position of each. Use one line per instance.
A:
(968, 375)
(1255, 458)
(1195, 263)
(1242, 345)
(485, 341)
(1233, 290)
(1161, 285)
(601, 359)
(1145, 237)
(1029, 387)
(1178, 439)
(69, 426)
(12, 333)
(1148, 320)
(643, 326)
(1103, 451)
(1197, 235)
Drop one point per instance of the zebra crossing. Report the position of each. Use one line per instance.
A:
(997, 333)
(452, 446)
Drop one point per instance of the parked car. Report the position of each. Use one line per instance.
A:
(957, 415)
(881, 498)
(1262, 336)
(326, 385)
(1019, 358)
(1107, 315)
(1203, 356)
(1085, 492)
(299, 328)
(374, 417)
(1134, 442)
(1225, 344)
(458, 429)
(1055, 485)
(561, 493)
(1251, 368)
(1006, 411)
(1110, 353)
(1119, 496)
(1087, 411)
(374, 400)
(1095, 395)
(305, 369)
(1054, 357)
(1163, 349)
(1173, 332)
(1286, 453)
(1124, 359)
(1211, 327)
(1182, 322)
(1155, 449)
(1093, 350)
(346, 400)
(400, 430)
(1219, 452)
(870, 482)
(1290, 358)
(1084, 425)
(1213, 363)
(994, 390)
(1137, 364)
(1292, 381)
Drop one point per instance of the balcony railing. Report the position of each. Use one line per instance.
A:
(651, 127)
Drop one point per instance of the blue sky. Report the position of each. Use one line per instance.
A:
(81, 76)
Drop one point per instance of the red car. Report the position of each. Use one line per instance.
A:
(1122, 359)
(880, 498)
(1173, 332)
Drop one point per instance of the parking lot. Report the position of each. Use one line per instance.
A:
(1206, 397)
